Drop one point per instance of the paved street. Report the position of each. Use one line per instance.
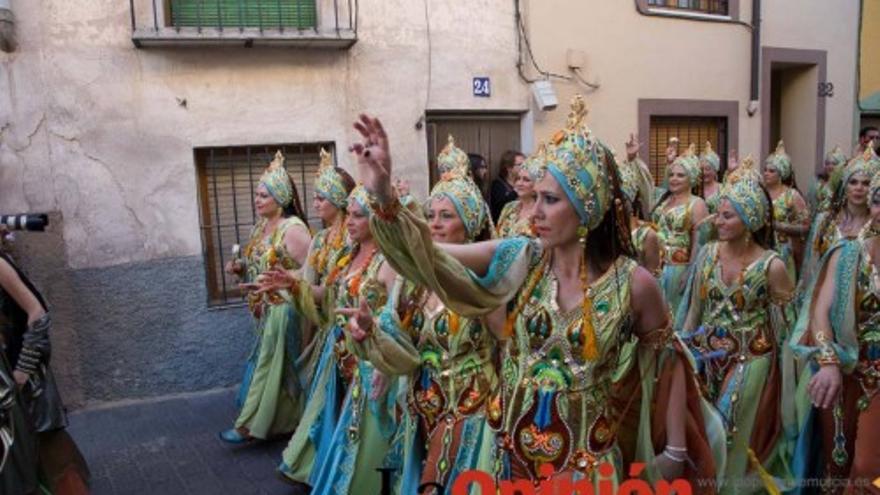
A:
(170, 446)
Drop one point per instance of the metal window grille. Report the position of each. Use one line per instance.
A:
(263, 14)
(688, 130)
(717, 7)
(227, 180)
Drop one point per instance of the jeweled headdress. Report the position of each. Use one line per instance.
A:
(836, 156)
(577, 162)
(361, 198)
(748, 199)
(747, 170)
(535, 165)
(711, 157)
(277, 182)
(867, 163)
(690, 162)
(452, 158)
(329, 184)
(467, 199)
(780, 161)
(875, 186)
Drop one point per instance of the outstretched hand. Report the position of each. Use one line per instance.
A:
(273, 280)
(373, 157)
(360, 321)
(632, 147)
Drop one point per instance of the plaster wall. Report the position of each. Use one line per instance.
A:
(93, 127)
(633, 56)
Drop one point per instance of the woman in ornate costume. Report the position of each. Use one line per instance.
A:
(271, 392)
(676, 215)
(827, 180)
(645, 241)
(838, 334)
(348, 421)
(449, 358)
(32, 415)
(736, 318)
(847, 216)
(332, 187)
(585, 324)
(516, 216)
(710, 164)
(790, 215)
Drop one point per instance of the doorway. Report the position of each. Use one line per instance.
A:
(793, 109)
(487, 134)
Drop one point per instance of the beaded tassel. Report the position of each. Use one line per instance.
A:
(454, 322)
(588, 333)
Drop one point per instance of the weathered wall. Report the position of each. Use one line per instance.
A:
(634, 56)
(91, 127)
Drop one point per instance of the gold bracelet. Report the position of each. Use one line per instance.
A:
(826, 355)
(388, 211)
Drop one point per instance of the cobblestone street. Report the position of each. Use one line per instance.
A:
(170, 446)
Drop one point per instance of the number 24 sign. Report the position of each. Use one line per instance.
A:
(482, 87)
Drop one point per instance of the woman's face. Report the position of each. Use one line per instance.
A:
(444, 222)
(875, 210)
(513, 172)
(709, 175)
(730, 225)
(358, 223)
(481, 171)
(771, 175)
(678, 179)
(556, 220)
(264, 203)
(524, 185)
(326, 210)
(857, 188)
(829, 167)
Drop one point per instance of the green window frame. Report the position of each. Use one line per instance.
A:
(264, 14)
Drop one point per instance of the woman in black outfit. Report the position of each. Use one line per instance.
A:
(502, 191)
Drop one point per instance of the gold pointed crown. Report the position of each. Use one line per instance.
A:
(747, 170)
(276, 180)
(453, 160)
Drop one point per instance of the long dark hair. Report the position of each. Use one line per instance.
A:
(294, 209)
(612, 238)
(764, 236)
(507, 162)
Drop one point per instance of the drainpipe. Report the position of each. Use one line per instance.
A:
(754, 88)
(7, 25)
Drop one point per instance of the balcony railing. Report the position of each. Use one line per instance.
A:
(330, 24)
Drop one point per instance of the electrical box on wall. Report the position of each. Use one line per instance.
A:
(545, 96)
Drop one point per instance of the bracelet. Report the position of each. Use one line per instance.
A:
(671, 457)
(826, 355)
(676, 449)
(388, 211)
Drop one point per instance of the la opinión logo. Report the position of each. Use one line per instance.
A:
(559, 485)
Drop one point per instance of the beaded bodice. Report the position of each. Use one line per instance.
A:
(785, 211)
(557, 404)
(456, 374)
(735, 318)
(674, 231)
(510, 224)
(268, 251)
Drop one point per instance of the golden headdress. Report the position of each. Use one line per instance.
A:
(780, 161)
(277, 182)
(453, 158)
(328, 183)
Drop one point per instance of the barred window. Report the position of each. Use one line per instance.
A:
(717, 7)
(688, 130)
(227, 180)
(263, 14)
